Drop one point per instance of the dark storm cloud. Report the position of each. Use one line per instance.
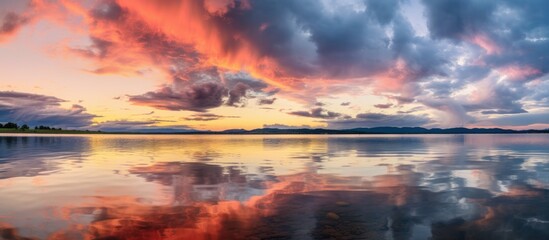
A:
(197, 97)
(204, 90)
(317, 113)
(307, 41)
(237, 95)
(456, 18)
(242, 86)
(384, 11)
(423, 56)
(35, 109)
(350, 44)
(380, 120)
(233, 79)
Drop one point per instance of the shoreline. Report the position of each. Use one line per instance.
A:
(303, 131)
(216, 133)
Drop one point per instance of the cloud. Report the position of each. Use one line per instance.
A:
(207, 117)
(197, 97)
(456, 18)
(507, 31)
(345, 103)
(452, 112)
(501, 43)
(320, 104)
(505, 111)
(16, 14)
(284, 43)
(11, 23)
(523, 119)
(108, 10)
(539, 93)
(266, 101)
(36, 109)
(412, 110)
(479, 58)
(205, 90)
(384, 106)
(242, 86)
(237, 94)
(493, 97)
(380, 120)
(317, 113)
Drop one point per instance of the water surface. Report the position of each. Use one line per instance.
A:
(274, 187)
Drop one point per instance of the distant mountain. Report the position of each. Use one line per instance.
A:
(375, 130)
(233, 131)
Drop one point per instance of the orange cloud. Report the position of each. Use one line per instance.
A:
(185, 40)
(190, 23)
(130, 35)
(12, 22)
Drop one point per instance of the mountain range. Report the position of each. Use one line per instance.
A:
(375, 130)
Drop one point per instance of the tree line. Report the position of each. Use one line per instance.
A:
(11, 125)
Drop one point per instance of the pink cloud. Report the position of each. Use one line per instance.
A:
(518, 72)
(485, 43)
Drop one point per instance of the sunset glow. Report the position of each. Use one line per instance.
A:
(132, 65)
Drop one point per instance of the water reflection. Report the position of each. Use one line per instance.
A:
(275, 187)
(32, 156)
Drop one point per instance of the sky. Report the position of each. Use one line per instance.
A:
(128, 65)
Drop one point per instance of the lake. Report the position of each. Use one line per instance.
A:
(274, 186)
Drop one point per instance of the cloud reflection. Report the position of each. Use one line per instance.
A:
(375, 187)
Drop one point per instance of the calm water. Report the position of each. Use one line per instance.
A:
(274, 187)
